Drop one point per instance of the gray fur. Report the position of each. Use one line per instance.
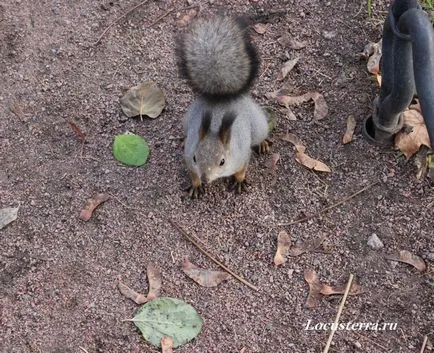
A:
(215, 56)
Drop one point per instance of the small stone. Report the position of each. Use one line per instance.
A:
(374, 242)
(328, 34)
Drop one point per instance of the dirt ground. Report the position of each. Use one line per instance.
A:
(59, 274)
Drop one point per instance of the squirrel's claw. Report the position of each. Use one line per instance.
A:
(237, 186)
(195, 192)
(264, 147)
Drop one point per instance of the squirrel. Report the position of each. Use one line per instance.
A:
(224, 123)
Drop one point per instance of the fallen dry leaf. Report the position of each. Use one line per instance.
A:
(311, 163)
(295, 140)
(129, 293)
(283, 245)
(321, 108)
(413, 135)
(185, 20)
(374, 53)
(206, 278)
(272, 162)
(91, 204)
(289, 43)
(408, 258)
(340, 289)
(302, 248)
(349, 132)
(260, 28)
(145, 99)
(77, 130)
(287, 67)
(154, 280)
(166, 344)
(315, 287)
(8, 215)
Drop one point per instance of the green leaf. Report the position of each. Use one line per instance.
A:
(171, 317)
(131, 149)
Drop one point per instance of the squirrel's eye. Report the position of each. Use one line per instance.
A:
(222, 162)
(194, 158)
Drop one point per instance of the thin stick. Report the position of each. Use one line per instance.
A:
(195, 243)
(425, 340)
(117, 20)
(169, 12)
(338, 315)
(329, 207)
(85, 351)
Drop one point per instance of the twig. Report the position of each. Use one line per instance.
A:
(338, 315)
(329, 207)
(85, 351)
(425, 340)
(171, 11)
(117, 20)
(196, 243)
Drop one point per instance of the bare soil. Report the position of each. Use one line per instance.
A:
(59, 274)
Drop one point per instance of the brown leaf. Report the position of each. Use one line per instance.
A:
(166, 344)
(289, 43)
(410, 142)
(154, 280)
(283, 245)
(272, 162)
(145, 99)
(306, 247)
(260, 28)
(91, 204)
(311, 163)
(205, 278)
(77, 130)
(287, 67)
(340, 289)
(373, 64)
(185, 20)
(131, 294)
(408, 258)
(295, 140)
(315, 287)
(351, 126)
(321, 108)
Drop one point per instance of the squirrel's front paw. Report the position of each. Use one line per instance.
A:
(238, 186)
(195, 192)
(264, 147)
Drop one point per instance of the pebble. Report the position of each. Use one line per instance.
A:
(374, 242)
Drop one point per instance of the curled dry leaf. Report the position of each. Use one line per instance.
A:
(349, 132)
(289, 43)
(77, 130)
(315, 287)
(185, 20)
(205, 278)
(373, 53)
(283, 245)
(311, 163)
(287, 67)
(260, 28)
(154, 280)
(295, 140)
(145, 99)
(129, 293)
(321, 108)
(340, 289)
(408, 258)
(91, 204)
(272, 162)
(413, 135)
(166, 344)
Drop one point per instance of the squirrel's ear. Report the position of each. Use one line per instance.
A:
(225, 128)
(206, 123)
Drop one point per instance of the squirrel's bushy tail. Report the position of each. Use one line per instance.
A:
(217, 57)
